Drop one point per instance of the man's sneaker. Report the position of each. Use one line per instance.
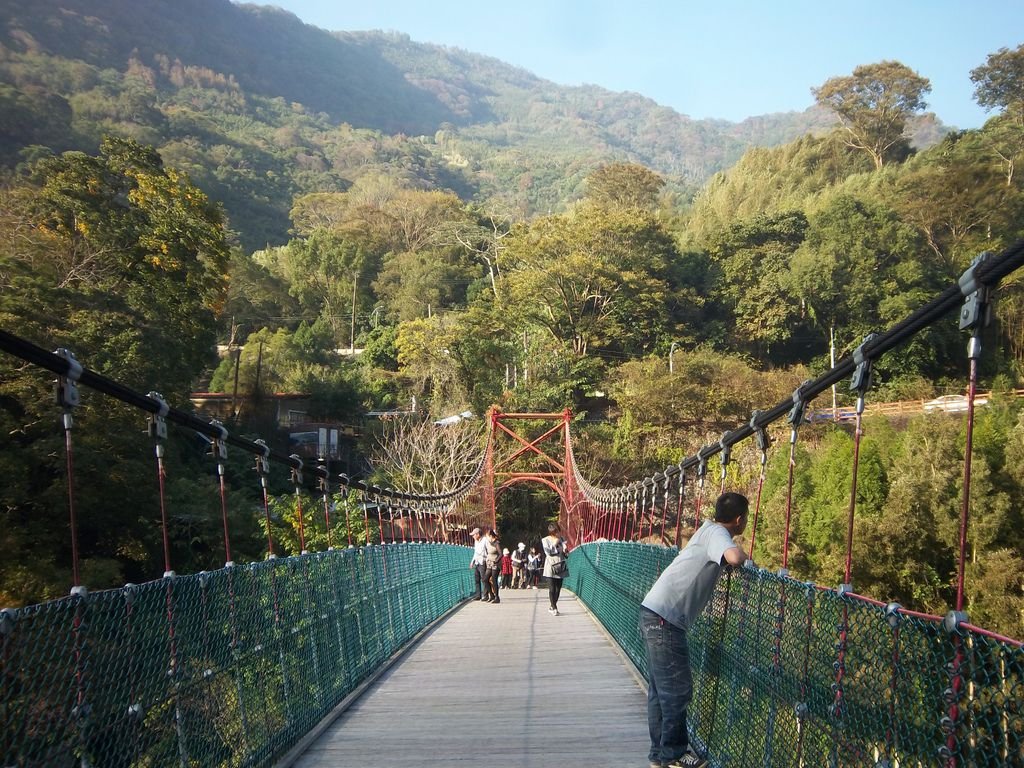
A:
(689, 760)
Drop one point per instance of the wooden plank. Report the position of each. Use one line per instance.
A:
(505, 684)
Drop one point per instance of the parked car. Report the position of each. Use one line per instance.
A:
(823, 414)
(952, 403)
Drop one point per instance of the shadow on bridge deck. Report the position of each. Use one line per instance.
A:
(497, 685)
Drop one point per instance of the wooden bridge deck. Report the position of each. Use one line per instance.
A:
(497, 686)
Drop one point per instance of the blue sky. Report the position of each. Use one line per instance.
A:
(713, 59)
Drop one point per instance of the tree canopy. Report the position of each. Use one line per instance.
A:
(999, 82)
(874, 105)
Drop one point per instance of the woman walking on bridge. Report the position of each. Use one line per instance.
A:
(555, 566)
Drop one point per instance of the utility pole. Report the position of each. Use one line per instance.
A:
(832, 361)
(526, 349)
(259, 366)
(234, 392)
(671, 352)
(352, 332)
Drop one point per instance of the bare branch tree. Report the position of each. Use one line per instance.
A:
(67, 259)
(418, 456)
(484, 242)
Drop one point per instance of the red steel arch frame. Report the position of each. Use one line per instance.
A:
(555, 473)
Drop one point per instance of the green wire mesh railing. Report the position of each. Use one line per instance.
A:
(788, 674)
(222, 668)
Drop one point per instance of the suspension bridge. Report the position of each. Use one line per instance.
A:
(243, 665)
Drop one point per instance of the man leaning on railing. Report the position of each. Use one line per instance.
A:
(674, 602)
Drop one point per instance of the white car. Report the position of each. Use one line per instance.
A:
(952, 403)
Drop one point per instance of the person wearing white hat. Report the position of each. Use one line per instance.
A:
(518, 567)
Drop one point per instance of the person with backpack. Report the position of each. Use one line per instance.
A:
(556, 567)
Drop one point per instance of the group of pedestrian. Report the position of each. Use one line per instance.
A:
(486, 564)
(495, 568)
(520, 569)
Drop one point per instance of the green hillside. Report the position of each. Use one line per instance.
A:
(258, 107)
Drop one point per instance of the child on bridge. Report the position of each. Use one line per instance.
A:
(533, 568)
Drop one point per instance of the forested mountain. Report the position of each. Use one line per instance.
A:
(258, 107)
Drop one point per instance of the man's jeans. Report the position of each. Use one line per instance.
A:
(670, 686)
(479, 577)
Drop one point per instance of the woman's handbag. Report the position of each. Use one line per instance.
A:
(560, 569)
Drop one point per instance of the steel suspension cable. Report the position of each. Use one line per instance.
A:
(344, 501)
(325, 488)
(380, 519)
(680, 494)
(263, 473)
(366, 521)
(636, 527)
(860, 383)
(643, 510)
(724, 455)
(702, 471)
(802, 709)
(664, 511)
(297, 483)
(158, 431)
(796, 418)
(70, 469)
(219, 450)
(68, 397)
(973, 317)
(763, 443)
